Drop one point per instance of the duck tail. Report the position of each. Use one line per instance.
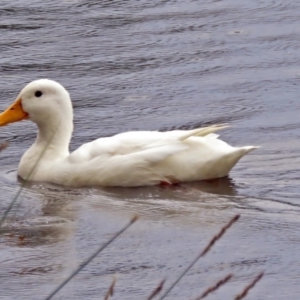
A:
(203, 131)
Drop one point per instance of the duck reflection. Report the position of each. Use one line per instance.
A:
(222, 186)
(41, 215)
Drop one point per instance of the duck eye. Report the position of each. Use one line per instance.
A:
(38, 94)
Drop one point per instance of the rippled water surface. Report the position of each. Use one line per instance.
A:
(157, 65)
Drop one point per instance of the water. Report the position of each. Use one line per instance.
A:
(148, 65)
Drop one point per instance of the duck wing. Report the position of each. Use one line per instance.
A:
(135, 142)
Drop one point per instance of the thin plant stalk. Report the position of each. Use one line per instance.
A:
(206, 249)
(133, 220)
(244, 293)
(214, 287)
(157, 290)
(110, 291)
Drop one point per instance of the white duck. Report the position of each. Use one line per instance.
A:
(127, 159)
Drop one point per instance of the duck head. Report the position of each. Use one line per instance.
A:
(42, 101)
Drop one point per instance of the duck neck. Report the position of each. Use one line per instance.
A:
(50, 146)
(55, 140)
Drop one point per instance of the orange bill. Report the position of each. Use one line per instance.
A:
(13, 113)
